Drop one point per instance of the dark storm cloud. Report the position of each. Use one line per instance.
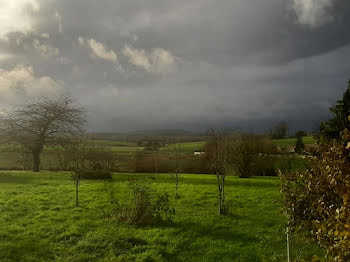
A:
(188, 64)
(229, 31)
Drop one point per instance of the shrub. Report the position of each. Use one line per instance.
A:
(265, 166)
(162, 209)
(318, 200)
(142, 208)
(93, 174)
(299, 145)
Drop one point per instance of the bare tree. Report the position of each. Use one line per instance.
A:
(77, 177)
(246, 150)
(43, 123)
(78, 152)
(177, 170)
(24, 158)
(217, 151)
(75, 154)
(155, 157)
(279, 130)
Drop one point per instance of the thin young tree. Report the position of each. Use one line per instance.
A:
(217, 153)
(80, 149)
(155, 156)
(47, 122)
(77, 177)
(177, 168)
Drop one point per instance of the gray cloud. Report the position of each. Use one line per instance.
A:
(20, 83)
(314, 13)
(98, 49)
(186, 64)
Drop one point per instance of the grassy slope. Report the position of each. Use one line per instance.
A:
(191, 147)
(40, 223)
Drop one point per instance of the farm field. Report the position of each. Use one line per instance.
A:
(191, 147)
(291, 141)
(188, 147)
(40, 222)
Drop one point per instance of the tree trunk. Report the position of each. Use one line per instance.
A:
(77, 193)
(177, 186)
(223, 191)
(36, 163)
(220, 203)
(218, 179)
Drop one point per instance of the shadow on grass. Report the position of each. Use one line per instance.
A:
(198, 230)
(8, 178)
(260, 182)
(190, 234)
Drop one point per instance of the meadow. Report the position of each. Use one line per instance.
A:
(287, 142)
(39, 221)
(187, 147)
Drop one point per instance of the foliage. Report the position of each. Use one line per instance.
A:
(101, 159)
(162, 209)
(265, 166)
(141, 209)
(246, 152)
(300, 133)
(82, 153)
(217, 153)
(318, 199)
(46, 122)
(299, 145)
(279, 130)
(332, 128)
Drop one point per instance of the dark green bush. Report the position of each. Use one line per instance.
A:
(265, 166)
(93, 174)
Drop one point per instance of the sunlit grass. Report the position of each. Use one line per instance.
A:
(40, 223)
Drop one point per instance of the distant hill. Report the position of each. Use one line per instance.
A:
(160, 135)
(162, 132)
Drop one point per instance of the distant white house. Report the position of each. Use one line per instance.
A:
(199, 153)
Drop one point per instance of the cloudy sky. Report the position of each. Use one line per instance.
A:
(184, 64)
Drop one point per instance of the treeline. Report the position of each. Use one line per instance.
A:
(257, 155)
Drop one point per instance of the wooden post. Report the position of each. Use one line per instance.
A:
(288, 253)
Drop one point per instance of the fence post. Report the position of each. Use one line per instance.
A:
(288, 252)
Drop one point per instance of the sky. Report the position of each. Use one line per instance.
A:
(185, 64)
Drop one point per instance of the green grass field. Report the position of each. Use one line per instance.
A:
(124, 150)
(285, 142)
(40, 223)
